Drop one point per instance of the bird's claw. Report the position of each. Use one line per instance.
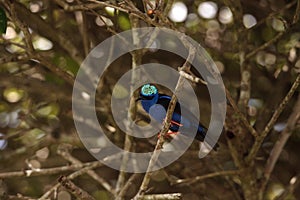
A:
(169, 133)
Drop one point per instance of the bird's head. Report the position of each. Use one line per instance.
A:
(148, 95)
(148, 91)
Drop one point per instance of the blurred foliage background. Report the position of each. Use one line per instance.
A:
(255, 45)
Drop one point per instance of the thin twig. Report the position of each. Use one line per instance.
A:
(265, 45)
(63, 150)
(278, 36)
(168, 7)
(74, 175)
(47, 171)
(279, 145)
(234, 153)
(109, 29)
(19, 197)
(81, 7)
(198, 80)
(289, 189)
(148, 3)
(74, 189)
(192, 78)
(167, 121)
(297, 13)
(229, 180)
(8, 42)
(189, 181)
(240, 114)
(122, 173)
(105, 4)
(245, 85)
(172, 196)
(52, 67)
(44, 29)
(82, 23)
(24, 28)
(282, 105)
(136, 60)
(128, 184)
(286, 7)
(135, 13)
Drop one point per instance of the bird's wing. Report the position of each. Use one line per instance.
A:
(164, 100)
(187, 122)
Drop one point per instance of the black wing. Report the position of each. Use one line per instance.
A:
(164, 100)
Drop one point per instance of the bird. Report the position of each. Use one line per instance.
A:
(156, 105)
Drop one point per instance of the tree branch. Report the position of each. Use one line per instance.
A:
(136, 60)
(279, 145)
(63, 150)
(74, 189)
(48, 171)
(74, 175)
(297, 13)
(167, 121)
(263, 46)
(189, 181)
(282, 105)
(172, 196)
(44, 29)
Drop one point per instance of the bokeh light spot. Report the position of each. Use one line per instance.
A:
(42, 44)
(249, 20)
(178, 12)
(207, 9)
(225, 15)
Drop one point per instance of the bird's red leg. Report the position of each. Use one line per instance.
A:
(171, 132)
(176, 123)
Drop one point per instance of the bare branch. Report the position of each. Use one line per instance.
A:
(73, 189)
(23, 27)
(273, 14)
(245, 86)
(63, 150)
(46, 30)
(48, 171)
(167, 121)
(70, 177)
(172, 196)
(294, 182)
(265, 45)
(240, 114)
(229, 98)
(297, 12)
(279, 145)
(189, 181)
(282, 105)
(128, 184)
(136, 60)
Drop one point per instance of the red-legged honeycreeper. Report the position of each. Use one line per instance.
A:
(156, 105)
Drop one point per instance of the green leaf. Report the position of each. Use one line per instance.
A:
(123, 21)
(50, 110)
(54, 79)
(3, 21)
(66, 63)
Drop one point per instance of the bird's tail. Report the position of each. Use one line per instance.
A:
(201, 134)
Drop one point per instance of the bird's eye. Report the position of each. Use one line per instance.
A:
(153, 89)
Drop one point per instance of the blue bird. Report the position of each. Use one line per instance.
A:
(156, 105)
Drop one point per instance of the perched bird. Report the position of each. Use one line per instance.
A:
(156, 105)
